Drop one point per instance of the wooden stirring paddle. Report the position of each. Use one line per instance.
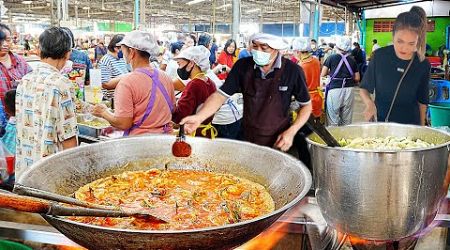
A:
(34, 205)
(180, 147)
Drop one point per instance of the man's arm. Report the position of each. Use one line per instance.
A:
(112, 84)
(178, 85)
(285, 140)
(212, 104)
(70, 143)
(122, 123)
(324, 71)
(357, 77)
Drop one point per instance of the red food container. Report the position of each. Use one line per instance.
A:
(10, 161)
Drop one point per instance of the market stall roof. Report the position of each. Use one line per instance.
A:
(192, 11)
(173, 11)
(358, 5)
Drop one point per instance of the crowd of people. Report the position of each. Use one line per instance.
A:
(260, 93)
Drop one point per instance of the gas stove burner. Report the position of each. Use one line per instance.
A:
(404, 244)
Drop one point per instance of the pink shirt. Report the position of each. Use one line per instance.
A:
(132, 96)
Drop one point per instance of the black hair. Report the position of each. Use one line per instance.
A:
(114, 41)
(375, 41)
(228, 43)
(10, 101)
(5, 27)
(356, 45)
(414, 20)
(2, 36)
(176, 46)
(70, 34)
(331, 45)
(204, 40)
(54, 43)
(313, 41)
(141, 53)
(193, 38)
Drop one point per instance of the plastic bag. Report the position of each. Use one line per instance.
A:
(6, 164)
(3, 166)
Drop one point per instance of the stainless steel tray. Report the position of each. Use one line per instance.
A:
(91, 130)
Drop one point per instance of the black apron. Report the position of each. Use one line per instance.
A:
(264, 116)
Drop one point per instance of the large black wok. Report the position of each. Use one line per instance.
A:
(285, 177)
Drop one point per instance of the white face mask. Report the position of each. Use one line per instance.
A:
(261, 58)
(128, 63)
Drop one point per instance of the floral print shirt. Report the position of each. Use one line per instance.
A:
(45, 113)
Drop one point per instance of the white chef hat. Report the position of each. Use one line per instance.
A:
(198, 54)
(301, 44)
(275, 42)
(142, 41)
(344, 43)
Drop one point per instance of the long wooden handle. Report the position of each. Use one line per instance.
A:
(37, 193)
(23, 203)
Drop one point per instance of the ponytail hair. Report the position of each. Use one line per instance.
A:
(414, 20)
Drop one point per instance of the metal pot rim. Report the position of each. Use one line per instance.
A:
(390, 151)
(307, 175)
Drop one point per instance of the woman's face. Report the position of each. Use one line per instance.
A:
(6, 46)
(188, 42)
(231, 49)
(405, 43)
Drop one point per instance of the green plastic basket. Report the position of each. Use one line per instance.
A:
(11, 245)
(440, 114)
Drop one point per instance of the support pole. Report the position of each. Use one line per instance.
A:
(136, 14)
(58, 11)
(364, 26)
(214, 18)
(76, 14)
(312, 8)
(317, 21)
(346, 22)
(236, 19)
(52, 13)
(142, 14)
(303, 17)
(261, 20)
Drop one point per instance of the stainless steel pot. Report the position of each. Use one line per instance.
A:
(285, 177)
(380, 195)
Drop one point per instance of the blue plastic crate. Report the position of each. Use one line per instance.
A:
(439, 91)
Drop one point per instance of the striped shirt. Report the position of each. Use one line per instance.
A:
(111, 67)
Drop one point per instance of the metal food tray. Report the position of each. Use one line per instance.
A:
(93, 131)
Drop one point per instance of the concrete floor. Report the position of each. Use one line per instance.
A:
(358, 108)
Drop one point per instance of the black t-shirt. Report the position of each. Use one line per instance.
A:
(358, 56)
(332, 62)
(293, 81)
(382, 77)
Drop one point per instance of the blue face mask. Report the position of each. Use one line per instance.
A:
(120, 54)
(261, 58)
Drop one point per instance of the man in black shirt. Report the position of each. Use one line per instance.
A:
(267, 82)
(360, 58)
(357, 54)
(316, 51)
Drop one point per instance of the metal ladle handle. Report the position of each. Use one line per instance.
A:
(322, 132)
